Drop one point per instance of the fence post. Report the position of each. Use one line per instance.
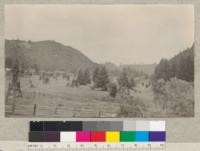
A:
(74, 113)
(13, 108)
(14, 103)
(34, 110)
(55, 112)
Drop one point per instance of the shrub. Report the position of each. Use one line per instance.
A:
(175, 97)
(132, 107)
(113, 90)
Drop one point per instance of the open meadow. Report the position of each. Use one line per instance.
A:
(57, 99)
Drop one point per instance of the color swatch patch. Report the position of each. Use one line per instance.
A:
(98, 136)
(100, 131)
(68, 136)
(157, 136)
(83, 136)
(112, 136)
(127, 136)
(142, 136)
(51, 136)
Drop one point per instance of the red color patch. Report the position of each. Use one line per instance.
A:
(98, 136)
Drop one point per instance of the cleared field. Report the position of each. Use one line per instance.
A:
(57, 100)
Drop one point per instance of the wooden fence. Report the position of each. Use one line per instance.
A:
(46, 111)
(72, 109)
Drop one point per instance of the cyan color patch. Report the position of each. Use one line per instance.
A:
(141, 136)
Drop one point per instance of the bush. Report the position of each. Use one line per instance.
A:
(176, 98)
(113, 90)
(180, 93)
(132, 107)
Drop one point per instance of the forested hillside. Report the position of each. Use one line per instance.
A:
(180, 66)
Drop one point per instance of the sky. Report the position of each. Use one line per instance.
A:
(121, 34)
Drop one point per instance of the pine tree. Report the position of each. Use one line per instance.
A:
(95, 73)
(102, 79)
(80, 77)
(190, 68)
(123, 79)
(173, 69)
(181, 67)
(8, 63)
(132, 83)
(86, 78)
(126, 81)
(162, 71)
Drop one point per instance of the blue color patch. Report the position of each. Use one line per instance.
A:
(141, 136)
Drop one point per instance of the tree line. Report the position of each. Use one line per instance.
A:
(99, 77)
(180, 66)
(101, 80)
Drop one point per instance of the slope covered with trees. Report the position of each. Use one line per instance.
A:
(173, 85)
(180, 66)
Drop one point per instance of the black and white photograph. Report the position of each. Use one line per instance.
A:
(99, 61)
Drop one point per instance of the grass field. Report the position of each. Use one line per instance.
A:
(55, 99)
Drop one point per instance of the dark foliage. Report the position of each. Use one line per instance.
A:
(126, 81)
(95, 73)
(83, 77)
(113, 90)
(180, 66)
(101, 78)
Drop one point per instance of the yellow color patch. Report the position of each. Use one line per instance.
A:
(112, 136)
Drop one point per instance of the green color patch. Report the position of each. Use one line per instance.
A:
(127, 136)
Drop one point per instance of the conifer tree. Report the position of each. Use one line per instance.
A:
(101, 78)
(86, 77)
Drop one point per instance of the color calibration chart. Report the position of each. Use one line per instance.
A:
(97, 135)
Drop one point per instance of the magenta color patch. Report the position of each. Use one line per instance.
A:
(83, 136)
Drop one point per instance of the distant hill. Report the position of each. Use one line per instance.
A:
(46, 55)
(146, 68)
(110, 66)
(51, 55)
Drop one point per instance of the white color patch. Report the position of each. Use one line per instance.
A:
(68, 136)
(157, 125)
